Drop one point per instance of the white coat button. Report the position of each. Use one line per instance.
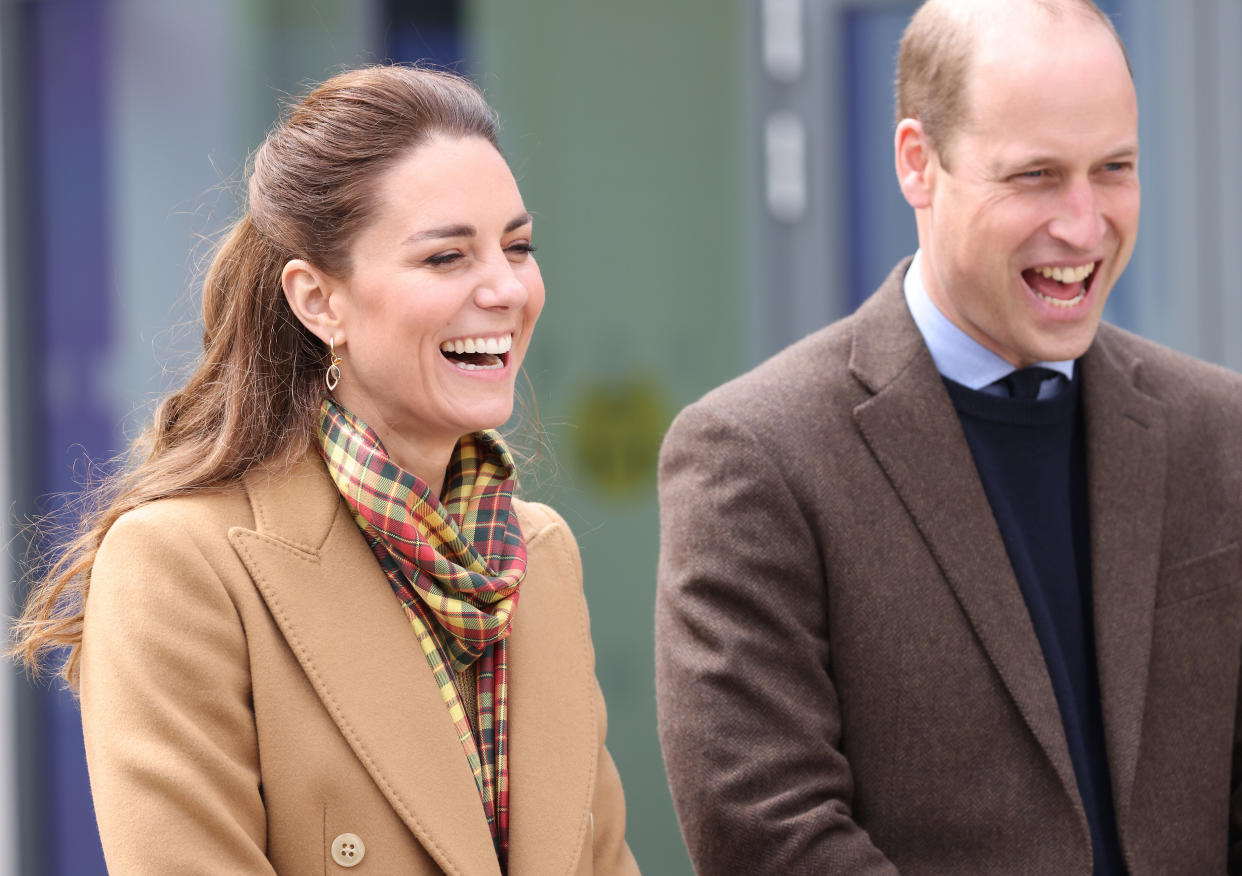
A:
(348, 850)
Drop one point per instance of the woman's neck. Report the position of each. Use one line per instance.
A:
(422, 455)
(428, 463)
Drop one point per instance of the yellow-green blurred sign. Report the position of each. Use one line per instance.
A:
(619, 425)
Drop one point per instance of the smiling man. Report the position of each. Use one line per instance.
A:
(954, 585)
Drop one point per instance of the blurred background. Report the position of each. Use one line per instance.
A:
(712, 179)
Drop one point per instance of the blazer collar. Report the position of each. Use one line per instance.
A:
(913, 431)
(338, 615)
(1127, 459)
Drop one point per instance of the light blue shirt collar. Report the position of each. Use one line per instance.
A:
(957, 355)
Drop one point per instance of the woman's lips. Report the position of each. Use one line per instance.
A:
(478, 353)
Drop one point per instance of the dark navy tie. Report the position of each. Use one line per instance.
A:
(1025, 383)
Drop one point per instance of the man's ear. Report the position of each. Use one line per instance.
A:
(314, 298)
(916, 163)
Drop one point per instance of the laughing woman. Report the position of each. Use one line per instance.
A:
(312, 627)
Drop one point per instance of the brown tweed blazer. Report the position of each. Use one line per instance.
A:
(848, 678)
(251, 690)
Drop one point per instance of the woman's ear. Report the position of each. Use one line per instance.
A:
(916, 163)
(314, 297)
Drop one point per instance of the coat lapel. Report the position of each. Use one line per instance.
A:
(554, 721)
(913, 431)
(337, 612)
(1126, 463)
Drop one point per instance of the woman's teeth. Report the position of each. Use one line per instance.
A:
(477, 354)
(495, 346)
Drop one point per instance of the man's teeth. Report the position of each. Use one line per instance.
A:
(1067, 275)
(1063, 302)
(495, 346)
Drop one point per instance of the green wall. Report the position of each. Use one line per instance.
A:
(623, 123)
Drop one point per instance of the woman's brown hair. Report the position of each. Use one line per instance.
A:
(253, 397)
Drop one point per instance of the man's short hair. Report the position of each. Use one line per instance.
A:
(933, 64)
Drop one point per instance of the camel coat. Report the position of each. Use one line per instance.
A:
(252, 694)
(848, 677)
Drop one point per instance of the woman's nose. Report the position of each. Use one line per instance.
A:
(501, 286)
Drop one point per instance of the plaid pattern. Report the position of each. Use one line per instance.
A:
(455, 563)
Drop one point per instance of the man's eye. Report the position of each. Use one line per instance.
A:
(1032, 174)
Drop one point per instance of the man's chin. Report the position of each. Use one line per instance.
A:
(1063, 345)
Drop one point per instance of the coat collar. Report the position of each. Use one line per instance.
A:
(913, 431)
(338, 615)
(555, 708)
(1127, 459)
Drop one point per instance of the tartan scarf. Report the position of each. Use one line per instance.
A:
(455, 564)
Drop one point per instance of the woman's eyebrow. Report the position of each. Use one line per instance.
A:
(465, 230)
(518, 222)
(443, 232)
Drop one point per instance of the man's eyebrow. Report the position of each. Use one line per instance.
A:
(1130, 150)
(1004, 168)
(447, 231)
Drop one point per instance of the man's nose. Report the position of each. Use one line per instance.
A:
(1078, 220)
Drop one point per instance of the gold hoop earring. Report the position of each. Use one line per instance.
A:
(333, 375)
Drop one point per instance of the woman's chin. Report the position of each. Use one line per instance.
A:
(482, 414)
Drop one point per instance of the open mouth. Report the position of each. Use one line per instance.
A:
(1061, 286)
(478, 354)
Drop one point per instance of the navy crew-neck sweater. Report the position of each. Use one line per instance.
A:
(1031, 458)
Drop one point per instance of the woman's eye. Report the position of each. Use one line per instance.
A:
(443, 258)
(524, 248)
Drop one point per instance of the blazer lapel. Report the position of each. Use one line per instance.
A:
(913, 431)
(554, 720)
(337, 612)
(1126, 463)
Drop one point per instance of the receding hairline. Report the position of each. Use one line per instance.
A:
(971, 15)
(949, 33)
